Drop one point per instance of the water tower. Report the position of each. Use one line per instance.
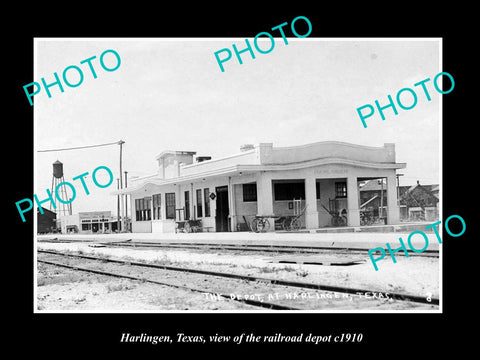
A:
(57, 178)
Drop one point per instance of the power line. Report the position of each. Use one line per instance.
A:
(82, 147)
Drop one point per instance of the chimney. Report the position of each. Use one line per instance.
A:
(246, 147)
(390, 152)
(199, 159)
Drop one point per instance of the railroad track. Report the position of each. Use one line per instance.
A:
(210, 275)
(242, 247)
(253, 302)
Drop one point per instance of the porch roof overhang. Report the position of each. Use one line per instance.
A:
(253, 168)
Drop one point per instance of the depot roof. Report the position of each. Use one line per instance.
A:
(265, 157)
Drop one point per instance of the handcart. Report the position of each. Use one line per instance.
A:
(339, 217)
(189, 226)
(294, 222)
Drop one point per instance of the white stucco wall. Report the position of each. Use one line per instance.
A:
(360, 162)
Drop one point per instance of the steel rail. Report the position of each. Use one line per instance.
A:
(233, 247)
(333, 288)
(253, 247)
(259, 248)
(252, 302)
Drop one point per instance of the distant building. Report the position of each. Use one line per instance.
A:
(421, 202)
(417, 202)
(89, 222)
(46, 222)
(371, 193)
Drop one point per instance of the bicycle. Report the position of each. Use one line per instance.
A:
(260, 224)
(292, 223)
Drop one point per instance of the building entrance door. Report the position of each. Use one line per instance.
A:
(221, 214)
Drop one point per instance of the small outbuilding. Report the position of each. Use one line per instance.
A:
(46, 222)
(421, 202)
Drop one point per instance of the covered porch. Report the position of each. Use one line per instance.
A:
(321, 197)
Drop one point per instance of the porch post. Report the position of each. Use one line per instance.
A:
(178, 204)
(393, 210)
(232, 207)
(265, 198)
(311, 212)
(353, 202)
(163, 206)
(191, 202)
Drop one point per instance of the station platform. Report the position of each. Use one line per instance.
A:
(341, 238)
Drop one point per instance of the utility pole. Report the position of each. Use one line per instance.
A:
(118, 206)
(381, 199)
(398, 188)
(122, 216)
(126, 202)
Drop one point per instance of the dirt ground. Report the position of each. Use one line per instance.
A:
(61, 289)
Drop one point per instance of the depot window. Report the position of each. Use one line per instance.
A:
(249, 192)
(206, 198)
(147, 212)
(137, 210)
(157, 204)
(187, 205)
(170, 205)
(289, 190)
(341, 189)
(199, 203)
(143, 209)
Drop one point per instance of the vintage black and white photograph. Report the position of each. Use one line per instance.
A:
(274, 174)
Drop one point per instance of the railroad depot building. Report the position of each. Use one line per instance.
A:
(227, 193)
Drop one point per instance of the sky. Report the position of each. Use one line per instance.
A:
(170, 94)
